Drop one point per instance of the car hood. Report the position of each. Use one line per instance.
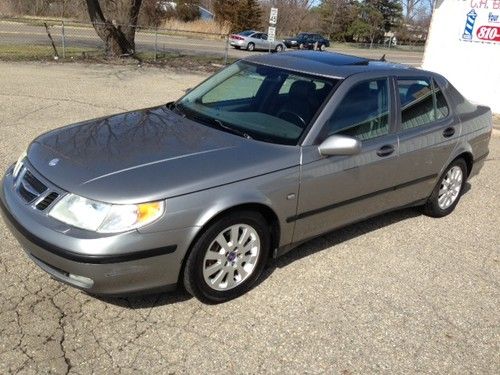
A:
(150, 154)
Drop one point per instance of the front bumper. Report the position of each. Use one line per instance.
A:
(112, 264)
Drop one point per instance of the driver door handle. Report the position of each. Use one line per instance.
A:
(448, 132)
(385, 150)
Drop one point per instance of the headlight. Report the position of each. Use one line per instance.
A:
(19, 165)
(103, 217)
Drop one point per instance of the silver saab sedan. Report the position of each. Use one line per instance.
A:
(269, 152)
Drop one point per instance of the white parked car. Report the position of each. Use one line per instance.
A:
(254, 40)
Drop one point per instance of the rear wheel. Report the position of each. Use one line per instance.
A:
(279, 48)
(446, 194)
(322, 47)
(251, 47)
(228, 258)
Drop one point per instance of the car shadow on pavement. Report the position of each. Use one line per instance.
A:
(310, 247)
(147, 300)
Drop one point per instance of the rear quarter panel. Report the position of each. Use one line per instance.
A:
(475, 127)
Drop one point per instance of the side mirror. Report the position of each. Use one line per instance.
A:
(339, 145)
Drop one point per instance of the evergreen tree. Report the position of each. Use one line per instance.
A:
(391, 10)
(249, 15)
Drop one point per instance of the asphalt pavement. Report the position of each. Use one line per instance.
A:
(401, 293)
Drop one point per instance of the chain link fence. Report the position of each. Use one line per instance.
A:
(42, 39)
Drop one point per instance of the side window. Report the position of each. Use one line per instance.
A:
(417, 104)
(442, 109)
(257, 36)
(363, 112)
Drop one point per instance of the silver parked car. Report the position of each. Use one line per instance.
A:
(269, 152)
(254, 40)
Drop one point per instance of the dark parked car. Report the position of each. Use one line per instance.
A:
(307, 41)
(269, 152)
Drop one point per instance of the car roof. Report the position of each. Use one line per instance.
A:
(329, 64)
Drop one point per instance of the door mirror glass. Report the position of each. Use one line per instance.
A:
(340, 145)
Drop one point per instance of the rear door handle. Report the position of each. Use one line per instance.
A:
(385, 150)
(448, 132)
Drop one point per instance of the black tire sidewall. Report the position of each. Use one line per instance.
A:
(250, 47)
(193, 273)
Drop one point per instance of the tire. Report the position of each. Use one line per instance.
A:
(322, 48)
(279, 48)
(301, 46)
(251, 47)
(451, 182)
(211, 271)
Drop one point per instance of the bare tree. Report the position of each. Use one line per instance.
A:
(294, 15)
(119, 38)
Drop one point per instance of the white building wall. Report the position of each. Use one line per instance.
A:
(464, 46)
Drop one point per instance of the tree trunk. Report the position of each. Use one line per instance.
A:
(119, 40)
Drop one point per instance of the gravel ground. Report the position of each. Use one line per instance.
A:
(401, 293)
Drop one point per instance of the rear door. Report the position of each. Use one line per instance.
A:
(427, 132)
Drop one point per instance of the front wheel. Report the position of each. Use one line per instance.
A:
(228, 258)
(322, 47)
(279, 48)
(446, 194)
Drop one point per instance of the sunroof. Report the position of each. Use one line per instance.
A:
(331, 58)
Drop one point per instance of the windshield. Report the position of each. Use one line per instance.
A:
(260, 102)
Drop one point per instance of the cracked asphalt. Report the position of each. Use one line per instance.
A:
(401, 293)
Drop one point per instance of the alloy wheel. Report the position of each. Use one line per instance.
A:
(231, 257)
(450, 187)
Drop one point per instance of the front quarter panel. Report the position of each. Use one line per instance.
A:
(277, 191)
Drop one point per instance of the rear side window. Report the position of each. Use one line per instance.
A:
(363, 113)
(420, 104)
(417, 103)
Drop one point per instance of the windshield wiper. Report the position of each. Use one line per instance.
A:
(220, 124)
(207, 119)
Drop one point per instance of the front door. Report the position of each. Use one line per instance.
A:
(338, 190)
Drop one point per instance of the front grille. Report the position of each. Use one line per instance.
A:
(27, 195)
(34, 182)
(47, 201)
(30, 187)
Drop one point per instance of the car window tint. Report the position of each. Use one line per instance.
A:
(257, 35)
(363, 112)
(442, 109)
(240, 86)
(285, 88)
(417, 104)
